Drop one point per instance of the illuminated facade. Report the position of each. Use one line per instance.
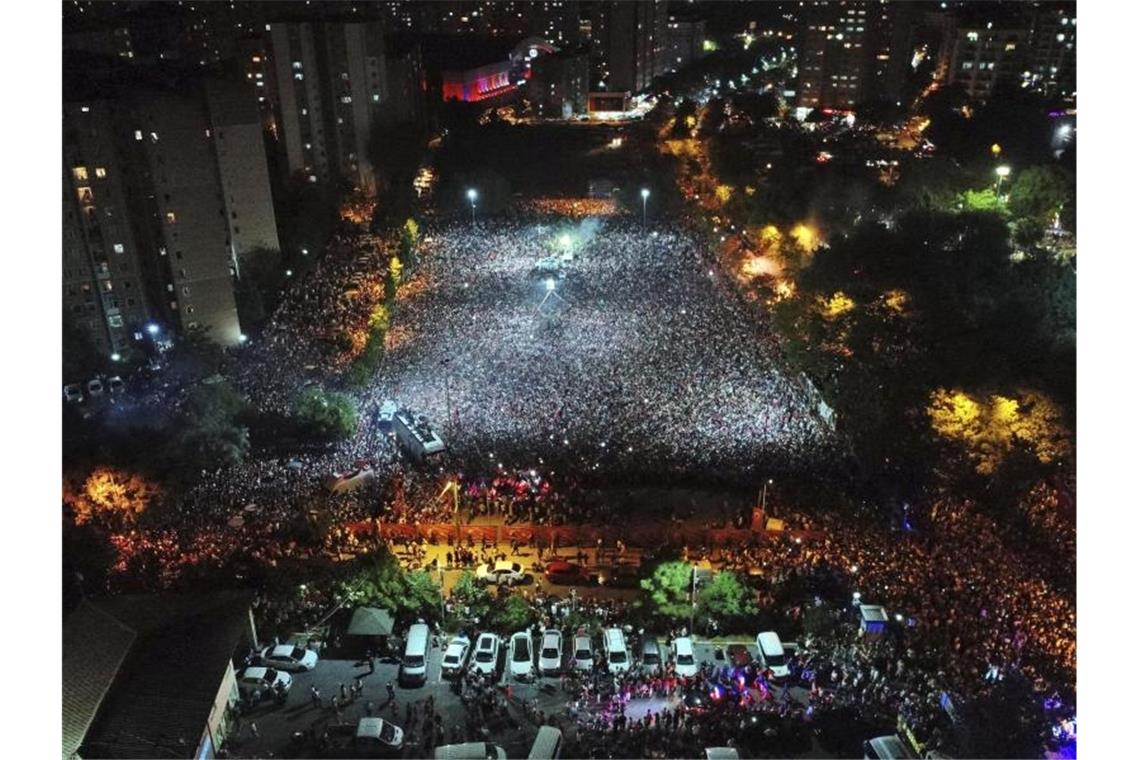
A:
(478, 84)
(103, 293)
(984, 57)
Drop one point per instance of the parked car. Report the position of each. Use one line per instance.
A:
(257, 681)
(72, 394)
(288, 657)
(583, 653)
(522, 656)
(772, 655)
(550, 655)
(116, 385)
(486, 659)
(617, 655)
(94, 387)
(455, 657)
(508, 573)
(650, 655)
(370, 737)
(566, 573)
(685, 663)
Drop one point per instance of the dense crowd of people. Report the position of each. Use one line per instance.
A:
(626, 355)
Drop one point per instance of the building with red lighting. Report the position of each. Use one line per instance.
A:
(479, 84)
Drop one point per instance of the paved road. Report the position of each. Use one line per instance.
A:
(276, 724)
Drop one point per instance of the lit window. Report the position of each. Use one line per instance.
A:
(257, 59)
(297, 65)
(138, 134)
(170, 217)
(154, 137)
(972, 36)
(298, 76)
(80, 173)
(119, 248)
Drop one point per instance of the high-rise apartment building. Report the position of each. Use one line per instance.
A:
(329, 85)
(686, 39)
(1051, 60)
(984, 56)
(834, 54)
(183, 221)
(167, 191)
(103, 291)
(630, 41)
(560, 84)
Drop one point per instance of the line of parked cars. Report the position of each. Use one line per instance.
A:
(96, 387)
(556, 654)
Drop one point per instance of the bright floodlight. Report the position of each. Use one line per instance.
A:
(243, 338)
(472, 195)
(645, 192)
(1002, 171)
(152, 328)
(550, 283)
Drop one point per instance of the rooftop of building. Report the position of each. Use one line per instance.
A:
(159, 660)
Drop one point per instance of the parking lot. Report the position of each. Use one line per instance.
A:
(280, 728)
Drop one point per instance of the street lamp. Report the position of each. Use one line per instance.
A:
(644, 200)
(764, 496)
(693, 600)
(471, 196)
(1002, 172)
(152, 328)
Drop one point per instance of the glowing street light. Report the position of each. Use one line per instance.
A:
(644, 200)
(1002, 172)
(152, 328)
(116, 357)
(471, 196)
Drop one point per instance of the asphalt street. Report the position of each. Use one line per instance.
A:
(276, 725)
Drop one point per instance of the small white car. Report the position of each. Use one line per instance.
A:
(522, 656)
(72, 394)
(258, 681)
(550, 654)
(685, 663)
(95, 387)
(506, 572)
(583, 653)
(486, 659)
(116, 385)
(290, 658)
(455, 657)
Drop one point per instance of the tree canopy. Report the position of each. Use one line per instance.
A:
(667, 591)
(326, 414)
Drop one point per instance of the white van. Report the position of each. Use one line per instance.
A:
(547, 745)
(413, 668)
(470, 751)
(772, 653)
(890, 747)
(613, 644)
(684, 663)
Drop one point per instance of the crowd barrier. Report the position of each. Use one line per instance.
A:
(634, 536)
